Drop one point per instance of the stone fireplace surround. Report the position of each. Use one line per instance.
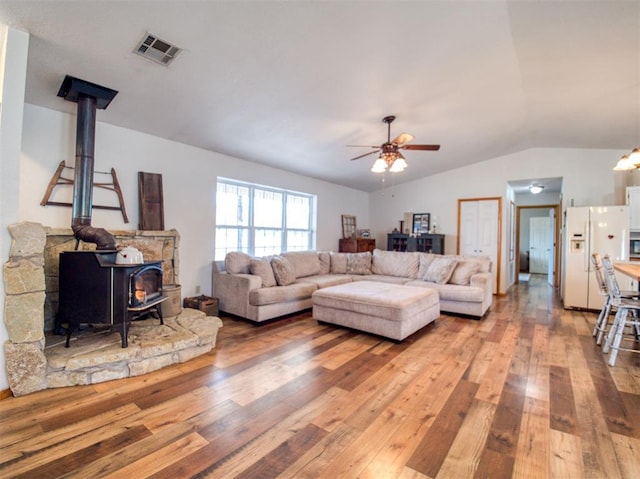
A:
(31, 301)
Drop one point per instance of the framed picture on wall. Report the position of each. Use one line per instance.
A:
(348, 226)
(421, 223)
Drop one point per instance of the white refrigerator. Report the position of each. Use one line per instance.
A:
(587, 230)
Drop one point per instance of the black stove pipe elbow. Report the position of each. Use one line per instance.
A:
(101, 237)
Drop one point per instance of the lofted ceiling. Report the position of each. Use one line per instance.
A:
(290, 84)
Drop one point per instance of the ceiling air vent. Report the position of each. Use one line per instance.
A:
(157, 50)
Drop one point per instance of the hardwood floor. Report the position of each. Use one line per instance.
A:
(523, 393)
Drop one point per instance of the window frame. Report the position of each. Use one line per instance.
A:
(250, 229)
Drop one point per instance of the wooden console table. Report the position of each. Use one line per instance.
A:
(424, 243)
(357, 245)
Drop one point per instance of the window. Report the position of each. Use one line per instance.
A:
(260, 221)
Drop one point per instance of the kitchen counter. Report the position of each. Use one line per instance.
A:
(629, 268)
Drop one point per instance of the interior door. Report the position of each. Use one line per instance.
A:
(479, 226)
(539, 233)
(552, 247)
(488, 229)
(469, 228)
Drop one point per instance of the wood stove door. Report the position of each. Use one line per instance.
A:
(85, 290)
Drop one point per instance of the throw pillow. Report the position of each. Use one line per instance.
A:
(325, 262)
(463, 272)
(425, 261)
(440, 270)
(339, 263)
(283, 271)
(305, 263)
(395, 263)
(359, 263)
(237, 262)
(262, 267)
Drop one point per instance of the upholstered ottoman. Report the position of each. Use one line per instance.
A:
(390, 310)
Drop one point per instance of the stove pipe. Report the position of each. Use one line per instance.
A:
(88, 96)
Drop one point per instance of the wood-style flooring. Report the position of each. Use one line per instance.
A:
(523, 393)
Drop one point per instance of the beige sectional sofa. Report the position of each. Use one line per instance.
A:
(260, 289)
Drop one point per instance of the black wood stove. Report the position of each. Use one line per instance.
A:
(96, 290)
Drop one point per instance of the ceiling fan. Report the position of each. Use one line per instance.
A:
(390, 156)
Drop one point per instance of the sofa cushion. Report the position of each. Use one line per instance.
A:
(339, 263)
(262, 267)
(281, 294)
(236, 262)
(326, 280)
(463, 272)
(305, 263)
(283, 271)
(453, 292)
(483, 261)
(325, 262)
(395, 263)
(359, 263)
(382, 278)
(440, 270)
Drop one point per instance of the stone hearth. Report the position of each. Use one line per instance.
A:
(99, 356)
(31, 292)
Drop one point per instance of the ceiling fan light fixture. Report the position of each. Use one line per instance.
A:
(629, 162)
(624, 164)
(379, 166)
(535, 189)
(398, 165)
(390, 158)
(634, 157)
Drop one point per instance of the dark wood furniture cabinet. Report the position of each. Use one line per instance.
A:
(424, 243)
(357, 245)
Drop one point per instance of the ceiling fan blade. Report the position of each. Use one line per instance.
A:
(366, 154)
(402, 138)
(421, 147)
(364, 146)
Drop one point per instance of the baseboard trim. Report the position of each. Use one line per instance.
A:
(5, 393)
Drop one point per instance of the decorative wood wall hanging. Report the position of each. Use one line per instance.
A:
(58, 180)
(151, 201)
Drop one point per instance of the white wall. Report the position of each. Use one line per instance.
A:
(14, 47)
(189, 179)
(587, 175)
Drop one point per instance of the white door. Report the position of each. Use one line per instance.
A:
(469, 228)
(478, 235)
(552, 247)
(488, 229)
(539, 228)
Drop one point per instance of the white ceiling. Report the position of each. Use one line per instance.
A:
(290, 84)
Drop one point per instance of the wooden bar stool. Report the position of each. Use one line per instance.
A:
(623, 319)
(602, 322)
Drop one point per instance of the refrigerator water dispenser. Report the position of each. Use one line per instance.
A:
(577, 244)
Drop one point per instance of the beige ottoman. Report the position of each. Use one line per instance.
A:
(390, 310)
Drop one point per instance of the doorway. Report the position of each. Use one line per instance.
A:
(539, 244)
(538, 227)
